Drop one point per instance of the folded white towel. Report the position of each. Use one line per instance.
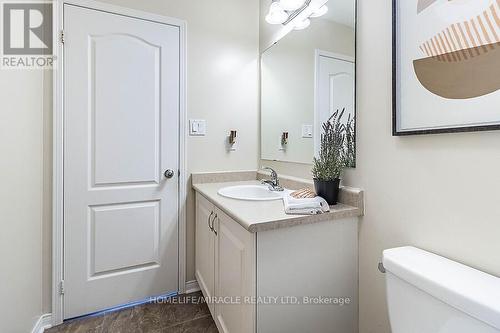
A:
(309, 206)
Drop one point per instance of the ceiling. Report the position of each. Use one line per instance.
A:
(341, 11)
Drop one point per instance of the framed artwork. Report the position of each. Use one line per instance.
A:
(446, 66)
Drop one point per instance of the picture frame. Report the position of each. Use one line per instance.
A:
(454, 106)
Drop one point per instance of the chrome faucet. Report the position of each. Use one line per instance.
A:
(274, 183)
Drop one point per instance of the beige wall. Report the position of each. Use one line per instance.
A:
(437, 192)
(47, 195)
(222, 83)
(21, 169)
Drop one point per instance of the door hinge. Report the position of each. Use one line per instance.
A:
(62, 36)
(61, 287)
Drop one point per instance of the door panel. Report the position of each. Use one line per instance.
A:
(235, 275)
(135, 231)
(342, 91)
(121, 83)
(205, 248)
(115, 95)
(336, 87)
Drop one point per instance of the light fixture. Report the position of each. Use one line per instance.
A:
(296, 13)
(291, 4)
(277, 14)
(302, 24)
(320, 11)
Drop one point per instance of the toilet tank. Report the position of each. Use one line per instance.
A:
(427, 293)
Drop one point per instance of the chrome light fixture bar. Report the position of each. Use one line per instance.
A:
(296, 12)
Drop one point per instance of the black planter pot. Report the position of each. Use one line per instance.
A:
(328, 190)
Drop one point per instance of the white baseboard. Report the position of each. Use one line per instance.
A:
(192, 286)
(44, 322)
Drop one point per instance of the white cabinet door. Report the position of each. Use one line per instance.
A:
(205, 247)
(121, 105)
(235, 276)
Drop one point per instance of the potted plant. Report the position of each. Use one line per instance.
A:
(336, 153)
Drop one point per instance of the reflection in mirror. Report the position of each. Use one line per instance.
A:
(306, 76)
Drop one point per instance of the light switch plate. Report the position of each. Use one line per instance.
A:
(307, 131)
(197, 127)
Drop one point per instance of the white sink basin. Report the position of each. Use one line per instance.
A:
(250, 193)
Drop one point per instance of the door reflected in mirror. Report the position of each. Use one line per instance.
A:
(305, 77)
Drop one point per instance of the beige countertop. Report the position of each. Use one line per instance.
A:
(258, 216)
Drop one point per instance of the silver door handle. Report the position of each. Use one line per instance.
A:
(169, 173)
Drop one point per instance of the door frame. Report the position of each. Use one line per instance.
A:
(317, 55)
(58, 144)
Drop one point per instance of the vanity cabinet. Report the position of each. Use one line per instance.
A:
(294, 279)
(225, 268)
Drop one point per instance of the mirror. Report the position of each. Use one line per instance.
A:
(305, 77)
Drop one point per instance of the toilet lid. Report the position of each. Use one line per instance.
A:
(467, 289)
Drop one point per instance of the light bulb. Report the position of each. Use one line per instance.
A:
(302, 24)
(291, 4)
(320, 11)
(276, 14)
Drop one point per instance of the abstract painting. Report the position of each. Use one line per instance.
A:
(446, 66)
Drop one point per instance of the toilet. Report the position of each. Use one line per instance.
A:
(427, 293)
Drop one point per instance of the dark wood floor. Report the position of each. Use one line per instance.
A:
(182, 314)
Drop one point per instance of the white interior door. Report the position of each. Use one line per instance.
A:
(336, 91)
(121, 107)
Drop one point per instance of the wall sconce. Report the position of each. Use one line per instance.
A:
(231, 141)
(283, 141)
(232, 137)
(284, 138)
